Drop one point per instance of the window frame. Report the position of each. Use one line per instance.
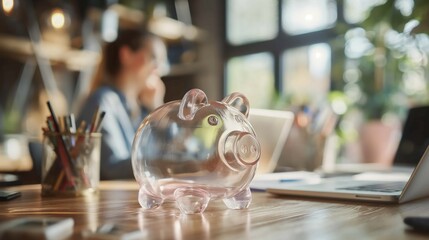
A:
(278, 45)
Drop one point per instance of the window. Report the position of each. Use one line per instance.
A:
(368, 58)
(251, 20)
(276, 48)
(261, 77)
(306, 73)
(302, 16)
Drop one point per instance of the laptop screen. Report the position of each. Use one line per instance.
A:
(272, 129)
(415, 137)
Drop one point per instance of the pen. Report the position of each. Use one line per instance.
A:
(62, 151)
(72, 123)
(287, 180)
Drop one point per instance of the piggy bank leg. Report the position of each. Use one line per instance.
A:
(240, 200)
(147, 200)
(191, 200)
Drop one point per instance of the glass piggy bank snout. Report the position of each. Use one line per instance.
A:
(241, 148)
(192, 151)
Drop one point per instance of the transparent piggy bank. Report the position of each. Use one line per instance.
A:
(193, 150)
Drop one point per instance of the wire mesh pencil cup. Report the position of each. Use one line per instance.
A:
(70, 164)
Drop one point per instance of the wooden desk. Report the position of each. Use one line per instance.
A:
(269, 217)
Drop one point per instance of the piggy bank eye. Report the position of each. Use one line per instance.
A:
(213, 120)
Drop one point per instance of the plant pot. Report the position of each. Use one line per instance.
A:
(378, 142)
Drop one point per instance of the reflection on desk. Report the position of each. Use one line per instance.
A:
(269, 217)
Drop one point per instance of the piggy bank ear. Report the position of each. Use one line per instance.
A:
(193, 100)
(238, 101)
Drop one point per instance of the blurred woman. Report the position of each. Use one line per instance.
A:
(127, 87)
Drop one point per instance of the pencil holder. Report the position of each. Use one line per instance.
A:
(70, 164)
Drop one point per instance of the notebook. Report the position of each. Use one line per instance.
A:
(395, 187)
(272, 128)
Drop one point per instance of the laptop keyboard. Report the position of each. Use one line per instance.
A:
(387, 187)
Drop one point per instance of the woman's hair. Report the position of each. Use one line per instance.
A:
(110, 63)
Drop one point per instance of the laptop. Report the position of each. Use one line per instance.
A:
(378, 187)
(395, 187)
(272, 128)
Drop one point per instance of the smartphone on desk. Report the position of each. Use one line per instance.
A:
(8, 195)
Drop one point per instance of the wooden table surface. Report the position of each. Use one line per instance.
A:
(269, 216)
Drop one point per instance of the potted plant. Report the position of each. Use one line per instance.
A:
(385, 72)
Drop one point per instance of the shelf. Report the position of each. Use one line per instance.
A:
(73, 59)
(165, 27)
(174, 30)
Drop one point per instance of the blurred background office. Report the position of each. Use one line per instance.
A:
(362, 61)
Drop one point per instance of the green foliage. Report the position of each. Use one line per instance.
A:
(11, 121)
(388, 13)
(382, 68)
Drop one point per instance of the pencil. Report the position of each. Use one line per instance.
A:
(62, 151)
(54, 117)
(94, 120)
(59, 180)
(81, 128)
(100, 120)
